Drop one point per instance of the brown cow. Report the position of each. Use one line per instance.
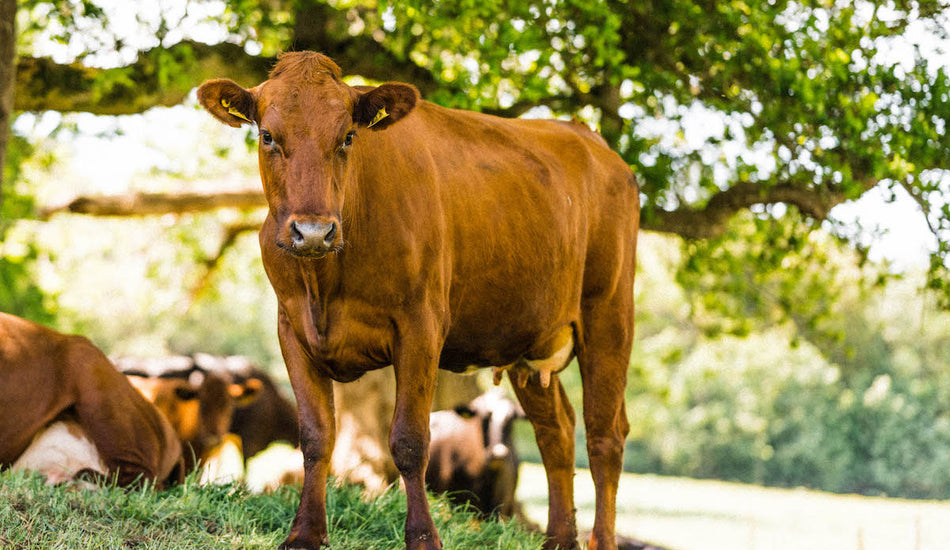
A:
(199, 404)
(403, 233)
(263, 416)
(47, 378)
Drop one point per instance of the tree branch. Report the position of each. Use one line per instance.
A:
(922, 203)
(710, 221)
(151, 204)
(691, 223)
(211, 263)
(43, 84)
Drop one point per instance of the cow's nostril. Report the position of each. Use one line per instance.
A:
(295, 233)
(328, 238)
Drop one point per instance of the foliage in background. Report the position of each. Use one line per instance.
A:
(718, 107)
(856, 400)
(19, 293)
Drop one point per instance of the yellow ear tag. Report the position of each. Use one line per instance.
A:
(227, 105)
(380, 115)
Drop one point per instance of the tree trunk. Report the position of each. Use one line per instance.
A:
(7, 80)
(364, 411)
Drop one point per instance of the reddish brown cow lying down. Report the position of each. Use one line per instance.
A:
(47, 377)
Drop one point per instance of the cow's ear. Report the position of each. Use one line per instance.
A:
(228, 102)
(464, 411)
(247, 392)
(384, 105)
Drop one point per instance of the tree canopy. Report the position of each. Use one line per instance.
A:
(719, 107)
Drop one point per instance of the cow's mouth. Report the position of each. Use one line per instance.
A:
(309, 252)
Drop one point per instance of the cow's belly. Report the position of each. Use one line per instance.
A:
(525, 314)
(61, 451)
(542, 357)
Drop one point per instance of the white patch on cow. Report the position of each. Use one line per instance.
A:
(279, 464)
(59, 452)
(224, 463)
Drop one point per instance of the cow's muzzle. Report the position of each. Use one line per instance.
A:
(311, 237)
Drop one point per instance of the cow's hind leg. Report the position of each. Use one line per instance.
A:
(604, 357)
(552, 417)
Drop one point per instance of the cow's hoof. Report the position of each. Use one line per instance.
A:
(551, 544)
(424, 542)
(303, 545)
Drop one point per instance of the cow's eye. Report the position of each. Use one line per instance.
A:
(348, 140)
(266, 138)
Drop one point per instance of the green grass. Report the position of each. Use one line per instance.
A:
(681, 514)
(36, 516)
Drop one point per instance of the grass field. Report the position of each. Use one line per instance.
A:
(35, 516)
(679, 514)
(685, 514)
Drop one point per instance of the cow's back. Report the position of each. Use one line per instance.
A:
(30, 382)
(529, 216)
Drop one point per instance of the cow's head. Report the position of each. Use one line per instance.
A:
(199, 405)
(497, 413)
(308, 121)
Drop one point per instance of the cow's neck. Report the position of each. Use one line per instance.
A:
(321, 280)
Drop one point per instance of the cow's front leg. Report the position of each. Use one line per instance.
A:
(314, 395)
(415, 367)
